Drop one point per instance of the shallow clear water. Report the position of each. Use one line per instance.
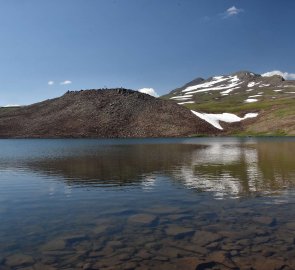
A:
(203, 203)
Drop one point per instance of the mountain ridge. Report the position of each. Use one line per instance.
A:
(242, 92)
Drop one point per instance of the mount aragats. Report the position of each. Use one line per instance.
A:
(243, 103)
(262, 105)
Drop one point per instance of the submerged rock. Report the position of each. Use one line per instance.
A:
(56, 244)
(204, 238)
(143, 219)
(178, 231)
(100, 229)
(74, 237)
(291, 226)
(265, 220)
(41, 266)
(18, 260)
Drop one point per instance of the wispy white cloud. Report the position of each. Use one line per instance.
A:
(285, 75)
(149, 91)
(232, 11)
(11, 105)
(50, 82)
(66, 82)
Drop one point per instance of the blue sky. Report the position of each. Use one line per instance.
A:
(137, 43)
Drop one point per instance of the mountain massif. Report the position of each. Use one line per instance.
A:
(270, 99)
(104, 113)
(242, 103)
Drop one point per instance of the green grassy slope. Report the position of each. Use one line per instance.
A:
(276, 110)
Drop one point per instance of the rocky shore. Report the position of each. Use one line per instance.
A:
(164, 237)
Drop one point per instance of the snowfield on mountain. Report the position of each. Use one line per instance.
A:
(215, 118)
(270, 98)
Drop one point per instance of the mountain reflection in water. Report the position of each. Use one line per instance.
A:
(224, 167)
(147, 204)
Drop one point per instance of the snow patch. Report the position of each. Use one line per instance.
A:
(231, 85)
(251, 84)
(264, 85)
(214, 119)
(185, 102)
(255, 96)
(229, 90)
(250, 100)
(234, 79)
(215, 80)
(184, 96)
(211, 85)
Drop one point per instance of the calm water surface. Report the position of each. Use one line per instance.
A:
(204, 203)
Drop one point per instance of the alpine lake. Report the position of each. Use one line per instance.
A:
(185, 203)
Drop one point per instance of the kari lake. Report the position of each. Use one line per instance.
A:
(197, 203)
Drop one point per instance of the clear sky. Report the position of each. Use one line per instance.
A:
(50, 46)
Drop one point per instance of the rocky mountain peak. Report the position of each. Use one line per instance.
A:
(245, 75)
(241, 86)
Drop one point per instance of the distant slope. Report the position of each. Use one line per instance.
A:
(109, 113)
(240, 93)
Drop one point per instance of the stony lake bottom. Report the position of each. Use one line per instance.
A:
(200, 203)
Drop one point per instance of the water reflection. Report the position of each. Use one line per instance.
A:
(82, 204)
(240, 170)
(121, 165)
(226, 168)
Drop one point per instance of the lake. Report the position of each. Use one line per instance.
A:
(198, 203)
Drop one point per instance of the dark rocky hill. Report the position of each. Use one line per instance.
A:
(106, 113)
